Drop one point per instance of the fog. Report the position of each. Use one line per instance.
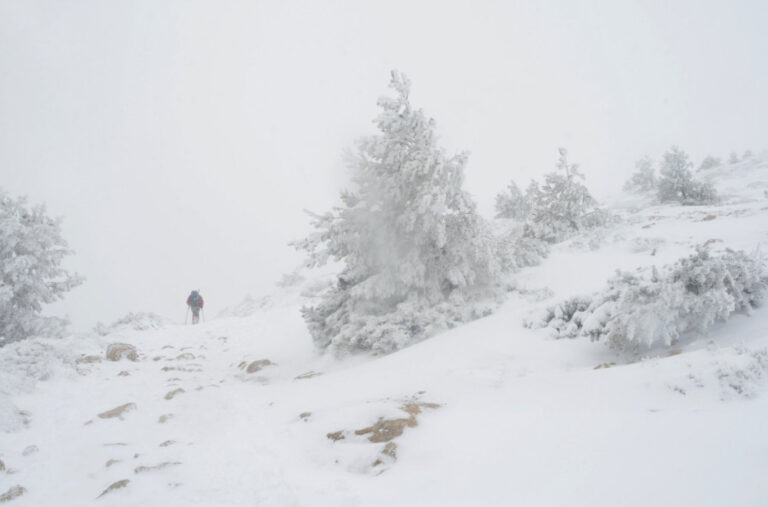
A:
(180, 140)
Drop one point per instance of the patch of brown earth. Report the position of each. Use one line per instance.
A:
(384, 430)
(171, 394)
(336, 436)
(118, 411)
(708, 218)
(142, 469)
(13, 492)
(114, 486)
(164, 418)
(603, 365)
(118, 351)
(674, 352)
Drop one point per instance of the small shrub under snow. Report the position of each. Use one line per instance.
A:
(641, 309)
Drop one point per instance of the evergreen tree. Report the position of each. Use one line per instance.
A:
(31, 252)
(644, 179)
(415, 252)
(709, 162)
(560, 206)
(677, 183)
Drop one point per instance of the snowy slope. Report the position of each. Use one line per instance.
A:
(487, 414)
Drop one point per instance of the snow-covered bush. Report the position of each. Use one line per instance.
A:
(562, 206)
(639, 310)
(512, 203)
(677, 183)
(517, 250)
(710, 162)
(733, 158)
(31, 252)
(643, 179)
(417, 256)
(140, 321)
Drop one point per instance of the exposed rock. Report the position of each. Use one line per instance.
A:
(30, 450)
(186, 356)
(167, 443)
(305, 415)
(88, 359)
(603, 366)
(168, 347)
(256, 365)
(2, 466)
(13, 492)
(171, 394)
(307, 375)
(123, 374)
(177, 368)
(118, 411)
(142, 469)
(164, 418)
(336, 436)
(115, 485)
(112, 462)
(118, 351)
(158, 358)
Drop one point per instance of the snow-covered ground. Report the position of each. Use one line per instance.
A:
(490, 413)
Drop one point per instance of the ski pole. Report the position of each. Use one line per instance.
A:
(203, 310)
(186, 316)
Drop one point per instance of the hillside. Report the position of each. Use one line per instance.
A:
(240, 410)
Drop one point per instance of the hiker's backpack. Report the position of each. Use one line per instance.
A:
(195, 299)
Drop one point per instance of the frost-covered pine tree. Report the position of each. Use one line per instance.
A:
(416, 254)
(677, 183)
(643, 179)
(709, 162)
(560, 206)
(31, 252)
(512, 204)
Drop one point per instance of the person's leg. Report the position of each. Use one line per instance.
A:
(195, 315)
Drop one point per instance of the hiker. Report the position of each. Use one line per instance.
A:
(195, 301)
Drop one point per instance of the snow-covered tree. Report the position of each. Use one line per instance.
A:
(643, 179)
(733, 158)
(747, 155)
(709, 162)
(638, 310)
(512, 203)
(31, 252)
(416, 254)
(562, 205)
(677, 183)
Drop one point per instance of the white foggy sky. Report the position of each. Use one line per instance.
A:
(180, 140)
